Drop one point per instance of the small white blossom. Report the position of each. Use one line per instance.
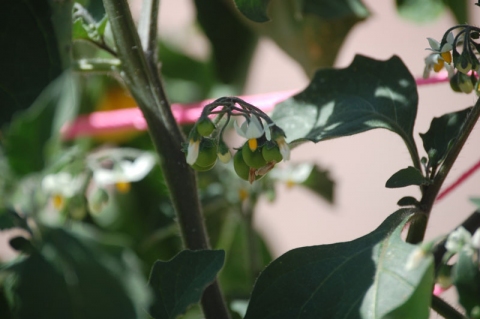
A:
(125, 170)
(249, 130)
(435, 45)
(192, 151)
(284, 148)
(62, 183)
(440, 54)
(458, 239)
(293, 174)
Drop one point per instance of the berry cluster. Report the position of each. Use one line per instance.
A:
(463, 68)
(265, 145)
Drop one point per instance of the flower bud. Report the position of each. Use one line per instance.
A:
(207, 154)
(205, 126)
(271, 153)
(223, 152)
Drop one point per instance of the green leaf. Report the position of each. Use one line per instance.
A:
(476, 201)
(466, 278)
(364, 278)
(442, 132)
(221, 24)
(420, 11)
(406, 177)
(320, 183)
(408, 201)
(459, 9)
(255, 10)
(366, 95)
(84, 283)
(32, 128)
(335, 9)
(79, 30)
(35, 42)
(179, 283)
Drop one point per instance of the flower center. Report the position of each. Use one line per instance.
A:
(123, 187)
(252, 144)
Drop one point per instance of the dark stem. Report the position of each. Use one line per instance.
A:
(417, 229)
(144, 82)
(445, 310)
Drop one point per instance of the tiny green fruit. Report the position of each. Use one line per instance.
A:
(253, 159)
(241, 168)
(207, 155)
(271, 152)
(203, 169)
(205, 126)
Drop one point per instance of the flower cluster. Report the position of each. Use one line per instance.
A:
(264, 147)
(462, 67)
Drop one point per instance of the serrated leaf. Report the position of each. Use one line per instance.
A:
(407, 201)
(179, 283)
(335, 9)
(406, 177)
(366, 95)
(255, 10)
(35, 44)
(443, 130)
(420, 11)
(466, 278)
(340, 280)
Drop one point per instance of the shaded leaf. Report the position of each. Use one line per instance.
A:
(366, 95)
(83, 283)
(27, 135)
(179, 283)
(466, 278)
(220, 24)
(420, 11)
(335, 9)
(35, 44)
(346, 280)
(443, 130)
(319, 182)
(406, 177)
(408, 201)
(459, 9)
(255, 10)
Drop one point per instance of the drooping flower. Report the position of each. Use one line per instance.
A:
(251, 130)
(440, 54)
(61, 186)
(125, 171)
(458, 239)
(192, 151)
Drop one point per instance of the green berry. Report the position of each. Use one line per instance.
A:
(271, 152)
(253, 159)
(207, 155)
(202, 169)
(241, 168)
(205, 126)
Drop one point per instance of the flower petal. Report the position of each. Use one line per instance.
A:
(255, 128)
(238, 129)
(192, 152)
(434, 44)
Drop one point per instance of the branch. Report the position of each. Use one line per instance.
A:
(445, 310)
(145, 86)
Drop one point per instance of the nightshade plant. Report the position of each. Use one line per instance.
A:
(92, 218)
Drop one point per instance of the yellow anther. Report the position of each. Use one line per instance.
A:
(438, 66)
(58, 201)
(252, 144)
(123, 187)
(242, 194)
(447, 56)
(290, 183)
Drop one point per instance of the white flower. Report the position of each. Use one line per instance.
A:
(62, 183)
(458, 239)
(293, 174)
(440, 54)
(125, 170)
(192, 151)
(284, 148)
(251, 130)
(435, 45)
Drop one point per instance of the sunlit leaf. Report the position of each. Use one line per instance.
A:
(406, 177)
(255, 10)
(420, 11)
(179, 283)
(466, 277)
(35, 42)
(443, 130)
(366, 95)
(364, 278)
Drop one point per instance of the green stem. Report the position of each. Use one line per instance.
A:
(417, 229)
(144, 82)
(444, 309)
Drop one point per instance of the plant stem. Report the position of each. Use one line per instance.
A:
(444, 309)
(144, 82)
(418, 227)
